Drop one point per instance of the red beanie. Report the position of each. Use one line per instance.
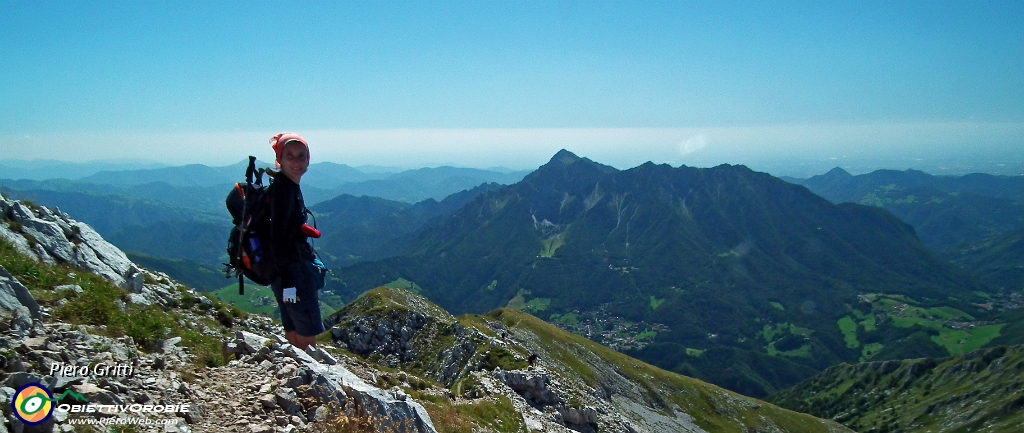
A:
(280, 140)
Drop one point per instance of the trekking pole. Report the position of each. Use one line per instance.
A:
(249, 172)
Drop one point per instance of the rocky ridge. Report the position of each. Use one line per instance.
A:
(507, 353)
(51, 237)
(266, 385)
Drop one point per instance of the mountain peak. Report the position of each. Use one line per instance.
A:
(837, 173)
(565, 166)
(564, 157)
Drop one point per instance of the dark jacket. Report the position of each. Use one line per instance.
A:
(287, 215)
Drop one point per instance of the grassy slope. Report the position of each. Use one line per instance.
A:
(102, 305)
(982, 391)
(713, 408)
(575, 358)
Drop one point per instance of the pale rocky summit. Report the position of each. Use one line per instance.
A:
(51, 237)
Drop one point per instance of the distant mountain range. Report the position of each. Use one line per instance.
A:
(742, 279)
(944, 210)
(369, 228)
(998, 261)
(178, 212)
(53, 169)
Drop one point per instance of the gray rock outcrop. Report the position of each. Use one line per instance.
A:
(51, 237)
(327, 383)
(14, 295)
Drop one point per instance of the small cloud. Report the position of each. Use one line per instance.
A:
(693, 144)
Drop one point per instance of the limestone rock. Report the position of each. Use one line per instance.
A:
(16, 240)
(13, 294)
(532, 385)
(335, 383)
(96, 394)
(52, 237)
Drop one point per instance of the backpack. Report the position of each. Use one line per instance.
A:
(249, 252)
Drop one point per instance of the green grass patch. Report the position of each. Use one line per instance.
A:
(550, 245)
(869, 323)
(499, 356)
(802, 352)
(655, 302)
(907, 322)
(567, 319)
(958, 342)
(492, 286)
(803, 332)
(777, 306)
(29, 272)
(519, 301)
(537, 305)
(948, 313)
(646, 335)
(105, 306)
(870, 350)
(905, 314)
(256, 300)
(696, 353)
(769, 332)
(403, 283)
(495, 414)
(849, 329)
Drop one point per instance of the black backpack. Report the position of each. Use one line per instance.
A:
(249, 252)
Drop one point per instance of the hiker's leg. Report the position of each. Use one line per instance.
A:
(304, 314)
(286, 319)
(302, 342)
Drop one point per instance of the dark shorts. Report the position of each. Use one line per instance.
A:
(303, 316)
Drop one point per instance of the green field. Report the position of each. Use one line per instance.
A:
(259, 300)
(958, 342)
(550, 245)
(955, 332)
(403, 283)
(849, 329)
(256, 300)
(537, 305)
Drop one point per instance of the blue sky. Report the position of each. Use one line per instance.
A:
(488, 83)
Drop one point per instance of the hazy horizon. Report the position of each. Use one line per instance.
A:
(508, 84)
(793, 167)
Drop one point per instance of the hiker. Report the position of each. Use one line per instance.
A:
(295, 288)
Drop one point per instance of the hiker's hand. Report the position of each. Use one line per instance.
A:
(289, 295)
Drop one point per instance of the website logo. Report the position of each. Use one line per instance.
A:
(32, 404)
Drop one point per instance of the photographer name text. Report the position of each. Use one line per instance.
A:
(98, 370)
